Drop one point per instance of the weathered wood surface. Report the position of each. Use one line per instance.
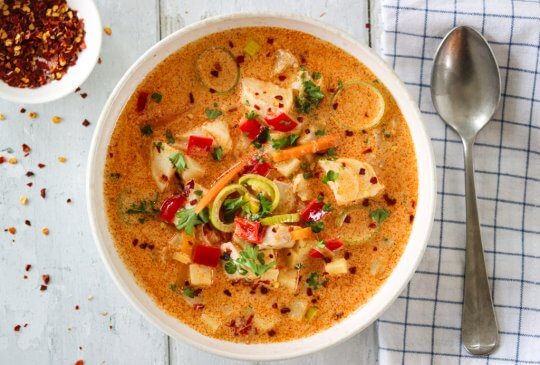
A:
(105, 329)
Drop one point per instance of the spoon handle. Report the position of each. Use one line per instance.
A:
(479, 330)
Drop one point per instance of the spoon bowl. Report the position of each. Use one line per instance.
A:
(465, 89)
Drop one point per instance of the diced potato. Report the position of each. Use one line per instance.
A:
(356, 180)
(337, 267)
(219, 131)
(193, 171)
(288, 279)
(181, 257)
(298, 308)
(265, 323)
(260, 96)
(302, 188)
(299, 253)
(276, 237)
(200, 275)
(287, 198)
(284, 60)
(288, 168)
(211, 322)
(161, 167)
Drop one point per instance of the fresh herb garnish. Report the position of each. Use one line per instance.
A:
(170, 137)
(173, 287)
(115, 175)
(284, 142)
(230, 267)
(316, 75)
(309, 98)
(217, 153)
(158, 145)
(251, 115)
(379, 215)
(298, 266)
(188, 219)
(321, 244)
(331, 175)
(212, 113)
(251, 259)
(307, 175)
(320, 198)
(316, 227)
(147, 130)
(198, 192)
(316, 281)
(264, 210)
(189, 292)
(331, 152)
(178, 161)
(144, 207)
(327, 207)
(320, 132)
(157, 97)
(262, 138)
(233, 204)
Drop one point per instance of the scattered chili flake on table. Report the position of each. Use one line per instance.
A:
(43, 193)
(28, 223)
(62, 159)
(46, 278)
(24, 200)
(40, 41)
(45, 231)
(43, 287)
(76, 307)
(56, 119)
(12, 160)
(32, 115)
(86, 123)
(107, 30)
(26, 149)
(2, 117)
(27, 267)
(79, 362)
(40, 165)
(17, 328)
(12, 230)
(84, 95)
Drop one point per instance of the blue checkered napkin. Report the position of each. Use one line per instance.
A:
(423, 326)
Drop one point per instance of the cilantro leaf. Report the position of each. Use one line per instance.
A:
(327, 207)
(251, 115)
(310, 97)
(379, 215)
(251, 259)
(284, 142)
(217, 154)
(320, 132)
(147, 130)
(189, 292)
(230, 267)
(188, 219)
(157, 97)
(212, 113)
(330, 176)
(233, 204)
(316, 227)
(316, 281)
(178, 161)
(170, 137)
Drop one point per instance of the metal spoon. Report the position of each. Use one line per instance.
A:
(465, 89)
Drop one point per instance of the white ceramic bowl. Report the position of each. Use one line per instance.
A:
(76, 74)
(358, 320)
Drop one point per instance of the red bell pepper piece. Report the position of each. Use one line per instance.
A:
(332, 244)
(198, 145)
(142, 97)
(170, 206)
(313, 212)
(248, 230)
(206, 255)
(281, 123)
(250, 127)
(258, 166)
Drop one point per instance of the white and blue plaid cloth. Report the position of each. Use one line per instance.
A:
(423, 326)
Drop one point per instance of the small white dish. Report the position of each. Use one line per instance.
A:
(76, 74)
(359, 319)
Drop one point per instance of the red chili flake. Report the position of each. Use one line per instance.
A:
(368, 25)
(86, 123)
(151, 246)
(84, 95)
(347, 255)
(257, 107)
(389, 201)
(142, 98)
(40, 165)
(231, 44)
(278, 97)
(227, 292)
(302, 59)
(26, 149)
(29, 174)
(373, 180)
(365, 202)
(191, 98)
(334, 106)
(77, 89)
(271, 333)
(411, 218)
(68, 200)
(212, 91)
(362, 171)
(2, 159)
(39, 42)
(143, 245)
(375, 248)
(46, 278)
(285, 310)
(135, 242)
(352, 270)
(347, 219)
(25, 277)
(198, 306)
(413, 204)
(349, 133)
(76, 307)
(43, 287)
(327, 260)
(17, 328)
(43, 193)
(29, 184)
(214, 73)
(372, 225)
(274, 305)
(282, 77)
(27, 267)
(27, 222)
(240, 59)
(79, 362)
(309, 292)
(270, 41)
(23, 110)
(366, 151)
(263, 289)
(280, 106)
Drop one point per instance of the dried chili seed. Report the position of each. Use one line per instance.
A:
(264, 290)
(40, 41)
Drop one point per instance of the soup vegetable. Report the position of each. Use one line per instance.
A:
(260, 184)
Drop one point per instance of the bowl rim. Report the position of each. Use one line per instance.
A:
(80, 74)
(339, 332)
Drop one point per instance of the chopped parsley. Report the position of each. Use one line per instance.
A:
(251, 115)
(327, 207)
(173, 287)
(158, 145)
(170, 137)
(157, 97)
(284, 142)
(212, 113)
(331, 175)
(263, 211)
(188, 219)
(217, 153)
(331, 152)
(379, 215)
(251, 259)
(230, 267)
(144, 207)
(147, 130)
(316, 227)
(316, 281)
(233, 204)
(178, 161)
(316, 75)
(115, 175)
(198, 192)
(320, 132)
(189, 292)
(307, 175)
(262, 138)
(309, 98)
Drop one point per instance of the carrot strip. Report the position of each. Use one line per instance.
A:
(301, 234)
(219, 184)
(314, 146)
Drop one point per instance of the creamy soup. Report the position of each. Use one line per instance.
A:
(260, 184)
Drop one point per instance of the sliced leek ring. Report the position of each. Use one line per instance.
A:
(282, 218)
(204, 77)
(262, 184)
(218, 202)
(374, 121)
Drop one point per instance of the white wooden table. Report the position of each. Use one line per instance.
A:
(106, 329)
